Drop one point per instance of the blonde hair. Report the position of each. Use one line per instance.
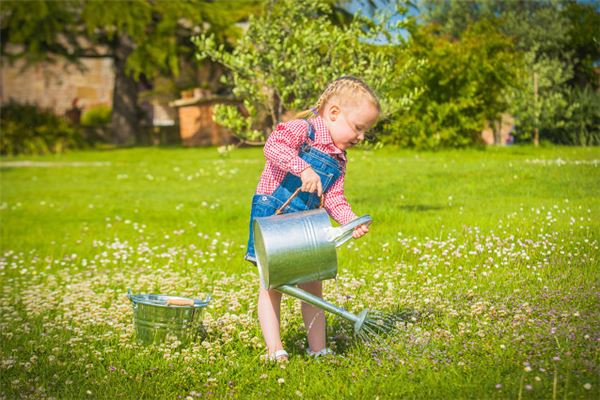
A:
(349, 85)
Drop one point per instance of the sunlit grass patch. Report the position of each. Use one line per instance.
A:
(494, 279)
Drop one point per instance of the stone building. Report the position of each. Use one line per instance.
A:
(55, 86)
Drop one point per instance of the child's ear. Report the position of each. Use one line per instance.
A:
(334, 112)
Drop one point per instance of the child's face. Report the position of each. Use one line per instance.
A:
(348, 123)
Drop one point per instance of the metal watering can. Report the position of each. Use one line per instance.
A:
(301, 247)
(157, 316)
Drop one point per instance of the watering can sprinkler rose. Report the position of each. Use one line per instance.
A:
(301, 247)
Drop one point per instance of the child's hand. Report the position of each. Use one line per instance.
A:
(360, 230)
(311, 181)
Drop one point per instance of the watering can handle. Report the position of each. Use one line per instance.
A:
(288, 201)
(342, 234)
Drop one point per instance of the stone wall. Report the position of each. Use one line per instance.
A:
(55, 86)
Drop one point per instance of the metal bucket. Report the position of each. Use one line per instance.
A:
(158, 316)
(299, 247)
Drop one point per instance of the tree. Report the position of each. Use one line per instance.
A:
(584, 42)
(465, 81)
(530, 23)
(540, 31)
(539, 100)
(144, 38)
(291, 52)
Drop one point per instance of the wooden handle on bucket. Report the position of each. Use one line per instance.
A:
(180, 302)
(288, 201)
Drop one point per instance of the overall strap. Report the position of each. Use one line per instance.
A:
(311, 131)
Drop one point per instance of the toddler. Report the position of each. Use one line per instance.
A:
(310, 153)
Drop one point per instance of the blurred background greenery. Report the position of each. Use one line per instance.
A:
(527, 71)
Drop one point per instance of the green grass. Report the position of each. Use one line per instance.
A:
(494, 252)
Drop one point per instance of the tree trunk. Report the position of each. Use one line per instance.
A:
(124, 121)
(536, 132)
(497, 129)
(145, 113)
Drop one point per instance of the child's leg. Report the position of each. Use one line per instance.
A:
(314, 317)
(269, 302)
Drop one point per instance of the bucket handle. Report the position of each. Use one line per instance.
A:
(177, 302)
(288, 201)
(342, 234)
(203, 303)
(189, 302)
(180, 302)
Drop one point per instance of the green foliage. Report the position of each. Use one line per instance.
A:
(229, 116)
(29, 130)
(540, 32)
(42, 29)
(452, 17)
(434, 125)
(465, 83)
(559, 44)
(156, 32)
(96, 116)
(530, 23)
(546, 109)
(580, 122)
(288, 56)
(145, 39)
(584, 41)
(496, 251)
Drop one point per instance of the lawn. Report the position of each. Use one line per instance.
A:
(492, 256)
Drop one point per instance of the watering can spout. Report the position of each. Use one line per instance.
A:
(324, 305)
(341, 234)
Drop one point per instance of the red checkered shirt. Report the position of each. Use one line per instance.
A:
(281, 152)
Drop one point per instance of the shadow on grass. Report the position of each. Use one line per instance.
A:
(340, 332)
(421, 207)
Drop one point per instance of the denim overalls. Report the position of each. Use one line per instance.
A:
(264, 205)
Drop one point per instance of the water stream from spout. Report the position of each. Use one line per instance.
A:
(379, 332)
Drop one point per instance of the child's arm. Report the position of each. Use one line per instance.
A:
(283, 145)
(337, 206)
(282, 150)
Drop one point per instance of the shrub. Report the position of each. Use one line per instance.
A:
(580, 123)
(27, 129)
(434, 125)
(96, 116)
(463, 80)
(289, 55)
